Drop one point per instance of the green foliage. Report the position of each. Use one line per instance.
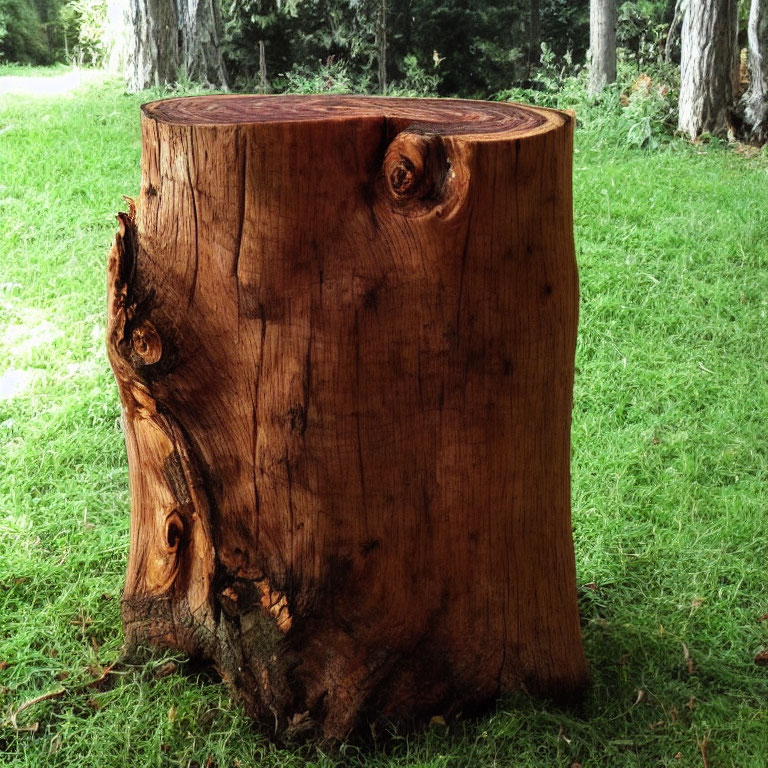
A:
(22, 34)
(669, 471)
(416, 81)
(639, 110)
(331, 77)
(45, 31)
(299, 35)
(83, 22)
(565, 27)
(642, 27)
(479, 46)
(480, 43)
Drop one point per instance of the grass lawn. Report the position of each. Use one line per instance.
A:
(669, 472)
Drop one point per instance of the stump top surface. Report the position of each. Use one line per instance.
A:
(446, 116)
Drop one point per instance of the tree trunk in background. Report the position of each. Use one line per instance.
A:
(602, 45)
(755, 100)
(672, 43)
(153, 50)
(200, 32)
(708, 67)
(381, 44)
(534, 37)
(343, 331)
(171, 40)
(118, 35)
(263, 79)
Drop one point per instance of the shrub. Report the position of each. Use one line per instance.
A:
(639, 110)
(84, 22)
(333, 76)
(22, 35)
(416, 81)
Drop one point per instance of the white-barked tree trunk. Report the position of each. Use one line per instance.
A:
(708, 67)
(602, 45)
(171, 40)
(755, 100)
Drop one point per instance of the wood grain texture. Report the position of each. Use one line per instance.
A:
(343, 330)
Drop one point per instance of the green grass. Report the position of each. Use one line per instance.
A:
(669, 472)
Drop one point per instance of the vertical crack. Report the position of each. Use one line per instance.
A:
(193, 287)
(255, 422)
(357, 419)
(242, 150)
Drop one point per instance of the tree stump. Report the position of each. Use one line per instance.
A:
(343, 331)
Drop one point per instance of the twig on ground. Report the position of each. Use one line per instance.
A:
(703, 744)
(30, 703)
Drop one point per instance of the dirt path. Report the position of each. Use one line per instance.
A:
(53, 85)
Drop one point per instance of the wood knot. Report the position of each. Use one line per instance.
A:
(174, 531)
(403, 177)
(146, 343)
(414, 167)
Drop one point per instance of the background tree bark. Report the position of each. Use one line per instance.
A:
(533, 29)
(708, 67)
(755, 101)
(343, 331)
(153, 47)
(174, 39)
(117, 35)
(381, 44)
(602, 45)
(200, 33)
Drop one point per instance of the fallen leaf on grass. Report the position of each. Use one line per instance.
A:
(103, 674)
(56, 743)
(166, 669)
(437, 720)
(688, 660)
(762, 658)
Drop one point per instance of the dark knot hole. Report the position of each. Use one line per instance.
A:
(174, 531)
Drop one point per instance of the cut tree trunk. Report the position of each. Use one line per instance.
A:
(708, 67)
(343, 332)
(755, 100)
(602, 45)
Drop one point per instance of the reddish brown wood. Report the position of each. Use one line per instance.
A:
(343, 330)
